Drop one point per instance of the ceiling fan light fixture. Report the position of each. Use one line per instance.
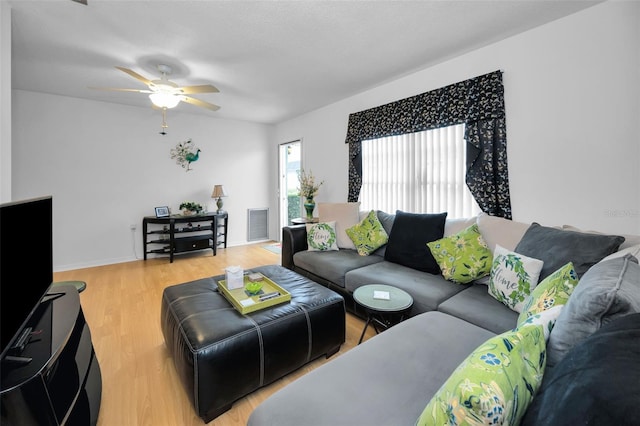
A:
(164, 100)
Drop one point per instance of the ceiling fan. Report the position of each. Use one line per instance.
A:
(165, 94)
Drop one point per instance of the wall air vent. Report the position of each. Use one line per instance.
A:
(258, 224)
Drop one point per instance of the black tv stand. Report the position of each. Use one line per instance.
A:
(10, 359)
(21, 341)
(52, 296)
(56, 378)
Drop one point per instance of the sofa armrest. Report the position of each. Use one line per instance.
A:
(294, 239)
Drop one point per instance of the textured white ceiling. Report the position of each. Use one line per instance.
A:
(271, 60)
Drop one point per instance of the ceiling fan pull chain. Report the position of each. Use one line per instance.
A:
(164, 122)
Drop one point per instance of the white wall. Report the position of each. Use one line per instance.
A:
(572, 95)
(572, 100)
(107, 166)
(5, 102)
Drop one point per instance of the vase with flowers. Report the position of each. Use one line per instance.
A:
(308, 189)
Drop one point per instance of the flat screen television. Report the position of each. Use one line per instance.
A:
(26, 265)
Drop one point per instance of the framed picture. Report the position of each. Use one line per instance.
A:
(162, 211)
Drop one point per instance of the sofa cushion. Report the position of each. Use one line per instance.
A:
(321, 236)
(629, 239)
(513, 277)
(478, 307)
(596, 383)
(462, 257)
(453, 226)
(607, 291)
(556, 247)
(409, 236)
(368, 235)
(427, 290)
(408, 359)
(345, 215)
(332, 265)
(498, 230)
(554, 290)
(494, 385)
(632, 250)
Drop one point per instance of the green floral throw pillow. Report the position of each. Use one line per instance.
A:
(368, 235)
(322, 236)
(513, 277)
(552, 291)
(494, 385)
(462, 257)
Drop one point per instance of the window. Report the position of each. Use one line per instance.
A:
(419, 172)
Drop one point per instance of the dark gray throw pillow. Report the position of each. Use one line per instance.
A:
(409, 237)
(607, 291)
(597, 383)
(556, 247)
(387, 223)
(386, 219)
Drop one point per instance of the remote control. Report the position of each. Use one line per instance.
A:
(269, 296)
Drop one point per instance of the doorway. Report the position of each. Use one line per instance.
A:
(289, 203)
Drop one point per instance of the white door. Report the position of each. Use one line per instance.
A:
(290, 206)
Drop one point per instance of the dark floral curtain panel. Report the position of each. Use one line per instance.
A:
(478, 103)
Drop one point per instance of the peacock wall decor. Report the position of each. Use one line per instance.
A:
(185, 153)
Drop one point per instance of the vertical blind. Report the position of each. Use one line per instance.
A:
(421, 172)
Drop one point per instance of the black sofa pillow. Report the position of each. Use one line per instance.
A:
(409, 237)
(557, 247)
(597, 383)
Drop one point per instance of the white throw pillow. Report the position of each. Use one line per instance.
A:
(345, 215)
(321, 236)
(513, 277)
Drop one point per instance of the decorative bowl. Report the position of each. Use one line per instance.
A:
(253, 288)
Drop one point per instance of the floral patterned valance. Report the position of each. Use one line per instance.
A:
(478, 103)
(477, 99)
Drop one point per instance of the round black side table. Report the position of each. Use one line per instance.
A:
(385, 305)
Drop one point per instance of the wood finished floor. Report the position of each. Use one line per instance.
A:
(122, 307)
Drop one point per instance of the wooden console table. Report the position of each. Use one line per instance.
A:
(180, 234)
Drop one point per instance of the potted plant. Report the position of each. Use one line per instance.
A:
(189, 207)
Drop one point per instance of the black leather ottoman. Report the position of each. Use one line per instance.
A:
(222, 355)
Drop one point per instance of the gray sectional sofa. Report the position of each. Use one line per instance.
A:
(389, 379)
(344, 271)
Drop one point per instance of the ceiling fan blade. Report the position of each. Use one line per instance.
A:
(135, 75)
(121, 90)
(203, 88)
(81, 1)
(198, 102)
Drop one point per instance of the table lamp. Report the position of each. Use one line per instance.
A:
(218, 192)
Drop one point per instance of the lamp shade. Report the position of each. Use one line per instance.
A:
(164, 100)
(218, 191)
